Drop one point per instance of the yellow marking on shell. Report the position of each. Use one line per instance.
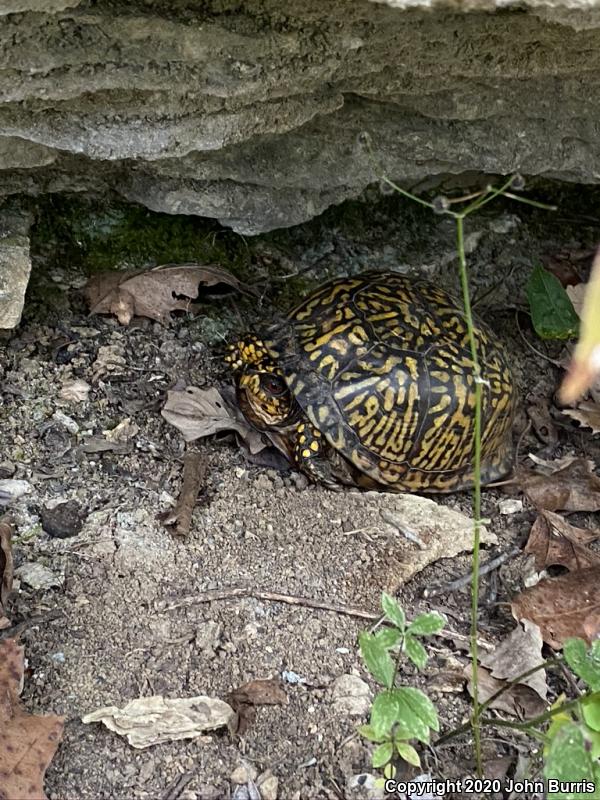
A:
(302, 439)
(389, 399)
(301, 427)
(445, 401)
(340, 346)
(358, 335)
(411, 365)
(314, 446)
(322, 414)
(331, 362)
(306, 453)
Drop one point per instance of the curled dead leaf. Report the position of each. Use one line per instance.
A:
(573, 488)
(6, 569)
(28, 742)
(244, 699)
(553, 541)
(147, 721)
(154, 293)
(587, 414)
(566, 606)
(519, 652)
(197, 413)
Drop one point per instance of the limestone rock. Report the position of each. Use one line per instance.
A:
(15, 263)
(249, 113)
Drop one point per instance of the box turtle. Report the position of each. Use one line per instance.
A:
(370, 381)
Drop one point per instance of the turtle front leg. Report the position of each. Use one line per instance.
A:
(310, 456)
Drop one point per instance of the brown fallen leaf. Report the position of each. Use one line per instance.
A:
(587, 414)
(147, 721)
(197, 413)
(553, 541)
(566, 606)
(244, 699)
(6, 569)
(541, 420)
(518, 652)
(545, 466)
(573, 488)
(153, 293)
(27, 742)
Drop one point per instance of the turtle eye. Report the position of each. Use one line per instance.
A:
(273, 384)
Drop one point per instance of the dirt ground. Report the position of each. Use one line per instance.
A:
(123, 620)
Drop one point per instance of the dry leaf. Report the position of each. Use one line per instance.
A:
(541, 420)
(245, 698)
(123, 432)
(153, 293)
(563, 607)
(586, 413)
(547, 467)
(573, 488)
(151, 720)
(27, 742)
(6, 569)
(518, 652)
(553, 541)
(202, 412)
(576, 295)
(75, 391)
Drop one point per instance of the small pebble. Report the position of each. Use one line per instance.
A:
(243, 773)
(351, 695)
(63, 520)
(66, 421)
(510, 506)
(268, 785)
(12, 490)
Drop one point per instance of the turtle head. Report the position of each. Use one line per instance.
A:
(262, 391)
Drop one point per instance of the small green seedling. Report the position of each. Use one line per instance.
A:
(399, 714)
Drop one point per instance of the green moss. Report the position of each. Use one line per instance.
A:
(93, 237)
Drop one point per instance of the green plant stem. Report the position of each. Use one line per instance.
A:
(462, 263)
(486, 198)
(527, 727)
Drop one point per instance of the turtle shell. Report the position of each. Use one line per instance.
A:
(381, 365)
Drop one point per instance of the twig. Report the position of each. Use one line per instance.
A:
(465, 580)
(179, 519)
(177, 786)
(16, 630)
(530, 346)
(275, 597)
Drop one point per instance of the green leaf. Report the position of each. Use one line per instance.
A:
(392, 610)
(408, 753)
(368, 732)
(552, 312)
(389, 771)
(568, 759)
(415, 651)
(417, 704)
(584, 662)
(427, 624)
(377, 659)
(591, 712)
(388, 637)
(382, 754)
(384, 713)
